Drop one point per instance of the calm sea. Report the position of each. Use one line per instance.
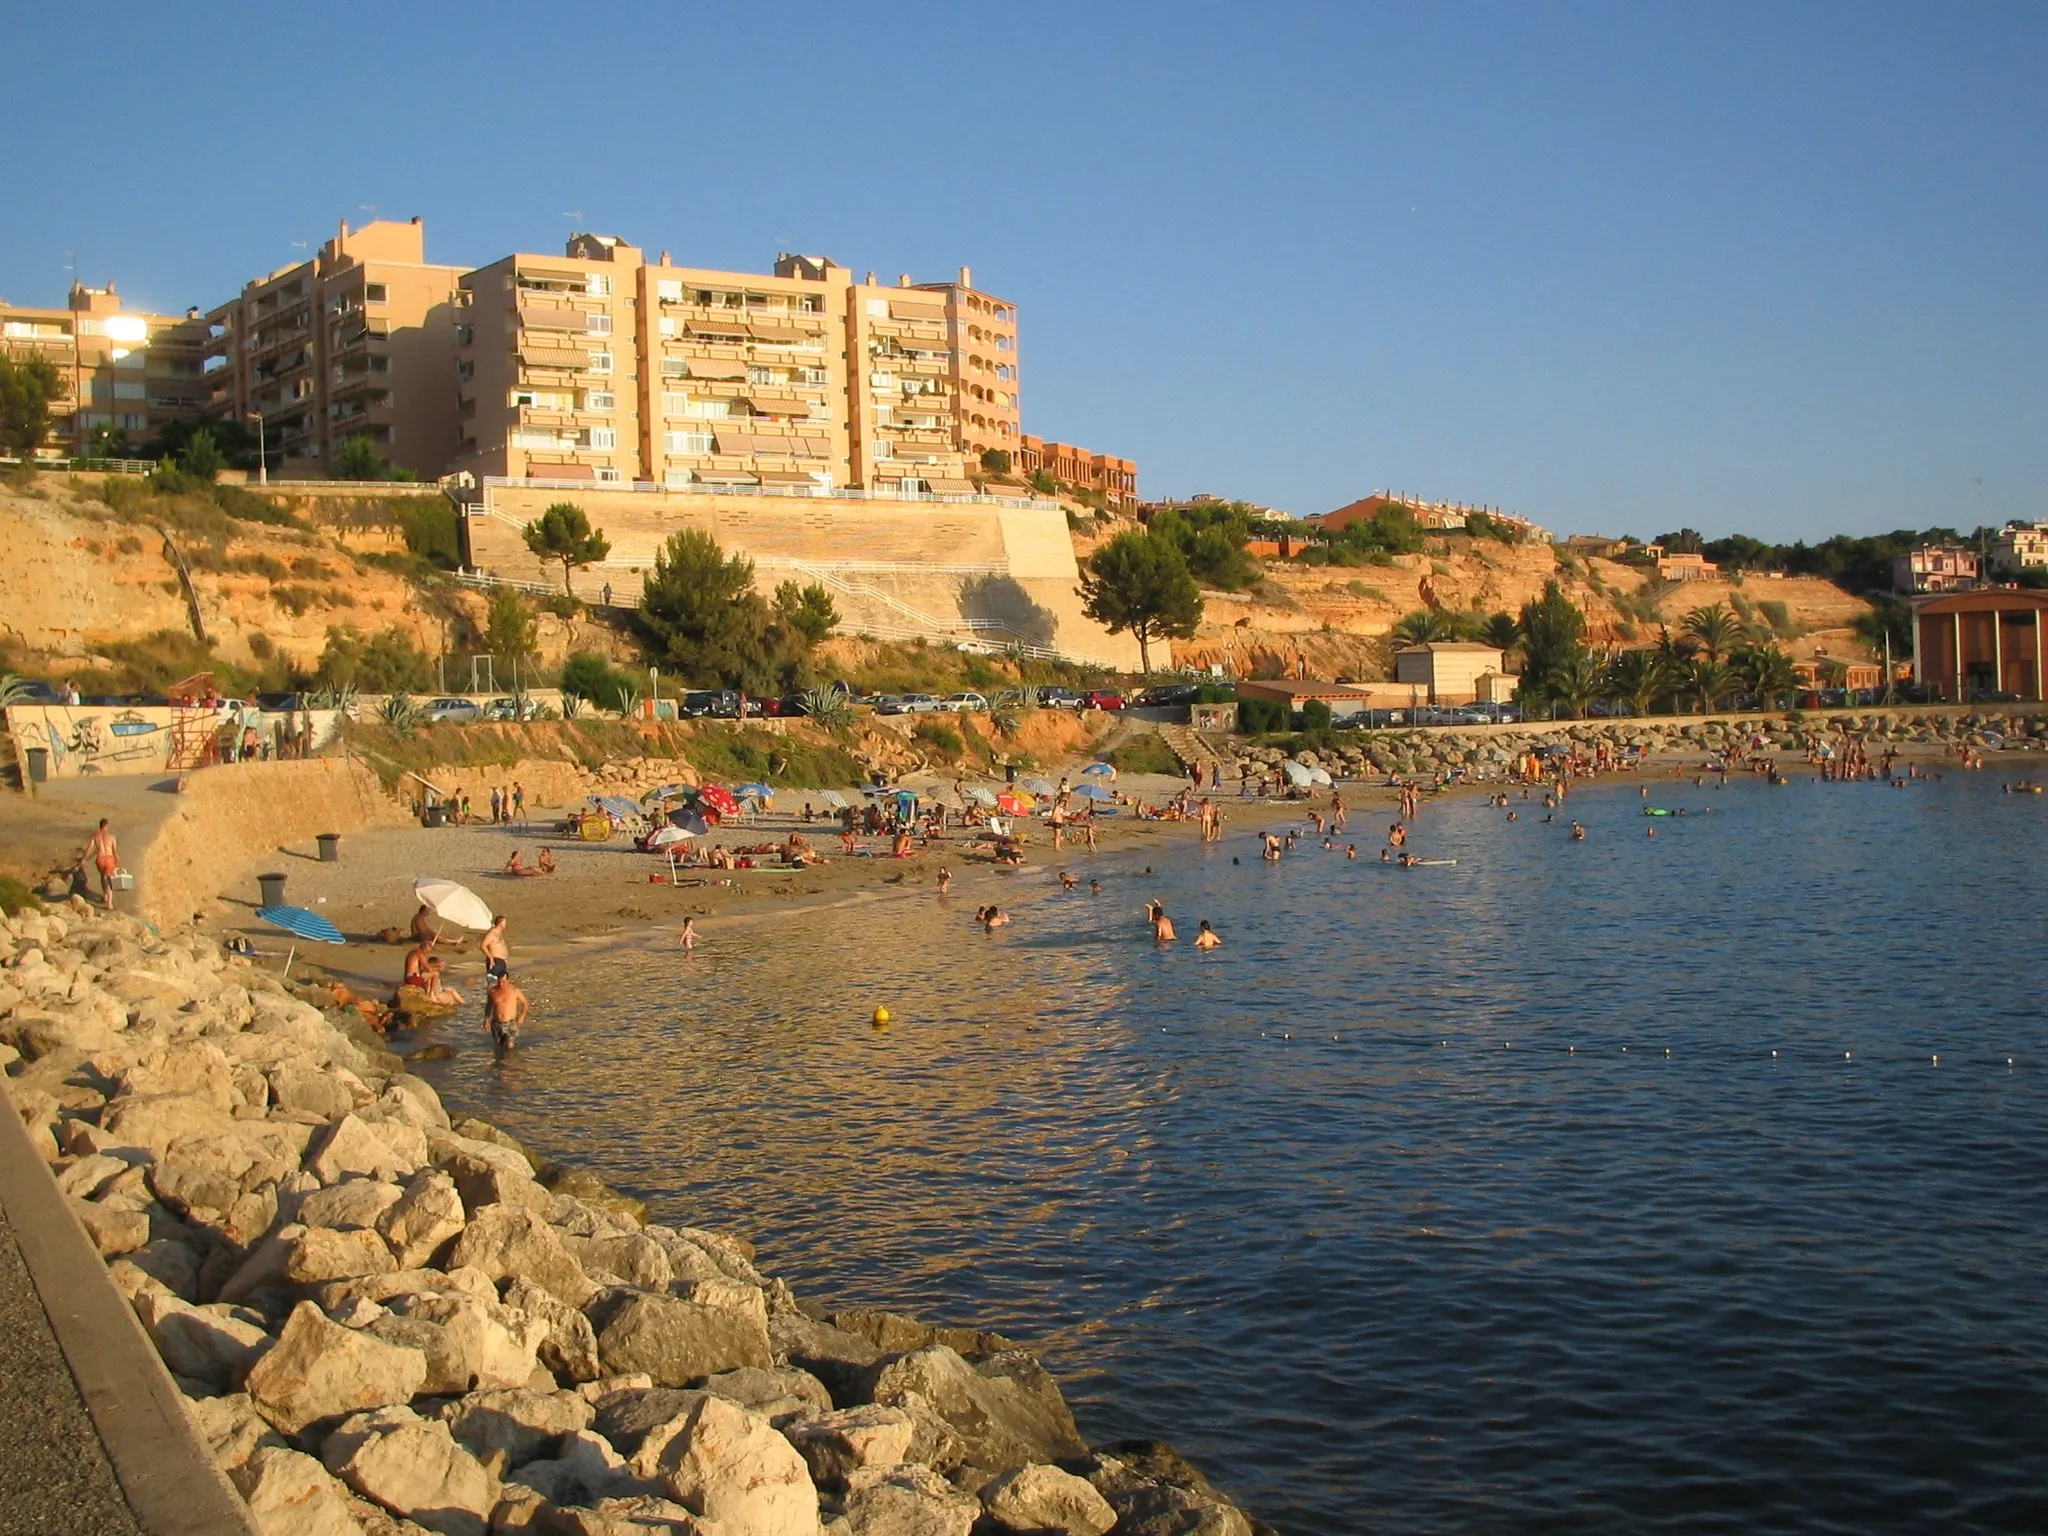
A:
(1610, 1185)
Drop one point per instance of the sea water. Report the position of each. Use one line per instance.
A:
(1691, 1183)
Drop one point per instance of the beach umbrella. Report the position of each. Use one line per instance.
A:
(979, 795)
(690, 822)
(1297, 773)
(663, 836)
(1100, 770)
(719, 798)
(760, 792)
(1010, 803)
(301, 924)
(833, 798)
(617, 807)
(666, 792)
(1037, 786)
(453, 903)
(1321, 776)
(1093, 792)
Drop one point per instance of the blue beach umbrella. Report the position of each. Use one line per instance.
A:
(690, 822)
(1100, 770)
(300, 924)
(753, 792)
(1094, 792)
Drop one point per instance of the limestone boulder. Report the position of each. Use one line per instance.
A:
(513, 1426)
(230, 1428)
(157, 1122)
(836, 1445)
(487, 1174)
(322, 1254)
(291, 1494)
(351, 1205)
(733, 1467)
(294, 1085)
(412, 1467)
(113, 1230)
(584, 1470)
(319, 1370)
(906, 1500)
(644, 1515)
(509, 1242)
(996, 1423)
(88, 1175)
(215, 1344)
(570, 1348)
(355, 1148)
(427, 1215)
(1156, 1493)
(634, 1257)
(674, 1341)
(1038, 1499)
(639, 1422)
(194, 1069)
(844, 1362)
(736, 1296)
(486, 1346)
(776, 1394)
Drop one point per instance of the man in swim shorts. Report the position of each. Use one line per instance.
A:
(505, 1009)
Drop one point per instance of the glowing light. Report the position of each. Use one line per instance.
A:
(127, 328)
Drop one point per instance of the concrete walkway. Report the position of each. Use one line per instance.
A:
(94, 1438)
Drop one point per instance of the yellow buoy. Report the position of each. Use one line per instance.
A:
(881, 1017)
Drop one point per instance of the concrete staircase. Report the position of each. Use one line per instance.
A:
(1197, 751)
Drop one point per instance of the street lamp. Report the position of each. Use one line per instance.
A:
(262, 453)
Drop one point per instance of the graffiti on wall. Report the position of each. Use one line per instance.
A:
(80, 741)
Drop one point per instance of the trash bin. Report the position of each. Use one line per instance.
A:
(272, 887)
(434, 816)
(330, 847)
(39, 765)
(1009, 773)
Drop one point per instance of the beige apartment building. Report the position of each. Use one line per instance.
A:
(119, 369)
(600, 365)
(359, 341)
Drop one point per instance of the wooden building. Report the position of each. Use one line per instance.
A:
(1967, 645)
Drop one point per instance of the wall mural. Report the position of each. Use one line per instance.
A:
(81, 741)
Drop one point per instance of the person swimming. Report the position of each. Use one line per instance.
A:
(1207, 937)
(1578, 833)
(1162, 925)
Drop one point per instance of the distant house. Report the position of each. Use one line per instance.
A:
(1594, 546)
(1678, 565)
(1343, 698)
(1450, 669)
(2017, 546)
(1937, 568)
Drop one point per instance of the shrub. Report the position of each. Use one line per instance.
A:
(1256, 717)
(1315, 715)
(937, 734)
(1148, 753)
(16, 897)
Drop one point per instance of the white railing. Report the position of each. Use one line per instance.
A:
(837, 492)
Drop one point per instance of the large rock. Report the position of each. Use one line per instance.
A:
(570, 1348)
(113, 1230)
(1039, 1499)
(512, 1427)
(483, 1345)
(736, 1296)
(323, 1254)
(487, 1174)
(583, 1470)
(217, 1345)
(906, 1500)
(294, 1085)
(1158, 1494)
(357, 1148)
(845, 1362)
(836, 1445)
(195, 1069)
(425, 1217)
(357, 1203)
(291, 1494)
(643, 1515)
(508, 1243)
(157, 1122)
(675, 1341)
(776, 1395)
(231, 1428)
(319, 1370)
(638, 1423)
(732, 1466)
(413, 1467)
(634, 1257)
(995, 1423)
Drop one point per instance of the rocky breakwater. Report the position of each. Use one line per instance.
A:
(1428, 751)
(386, 1321)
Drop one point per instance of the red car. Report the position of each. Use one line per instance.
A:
(1102, 698)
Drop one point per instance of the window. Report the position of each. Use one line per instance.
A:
(599, 325)
(878, 308)
(598, 285)
(464, 335)
(1007, 372)
(600, 362)
(674, 368)
(1003, 343)
(763, 376)
(380, 365)
(884, 450)
(607, 474)
(600, 400)
(686, 442)
(603, 437)
(373, 293)
(673, 404)
(669, 290)
(465, 370)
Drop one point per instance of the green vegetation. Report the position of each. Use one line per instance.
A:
(1481, 526)
(563, 533)
(1139, 583)
(807, 611)
(739, 756)
(595, 681)
(995, 461)
(1715, 629)
(16, 897)
(701, 617)
(1210, 536)
(1257, 717)
(940, 736)
(1861, 565)
(1147, 753)
(511, 633)
(386, 662)
(27, 386)
(358, 459)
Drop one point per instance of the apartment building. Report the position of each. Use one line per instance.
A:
(2017, 546)
(1115, 478)
(1937, 568)
(120, 370)
(358, 341)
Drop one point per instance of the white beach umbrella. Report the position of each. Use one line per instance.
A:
(979, 795)
(453, 903)
(1297, 773)
(666, 835)
(833, 798)
(1320, 776)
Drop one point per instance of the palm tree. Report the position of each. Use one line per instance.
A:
(1715, 628)
(1711, 681)
(1765, 671)
(1636, 678)
(1576, 681)
(1425, 626)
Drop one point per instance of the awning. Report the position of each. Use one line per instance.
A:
(797, 408)
(725, 477)
(559, 471)
(923, 451)
(786, 477)
(950, 486)
(911, 309)
(768, 330)
(735, 328)
(810, 447)
(554, 320)
(717, 368)
(553, 357)
(740, 442)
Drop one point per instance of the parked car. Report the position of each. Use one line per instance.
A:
(514, 709)
(1102, 698)
(1370, 720)
(889, 704)
(1499, 714)
(969, 702)
(461, 711)
(1166, 696)
(1055, 697)
(711, 703)
(921, 704)
(789, 706)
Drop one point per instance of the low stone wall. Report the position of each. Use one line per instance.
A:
(374, 1310)
(233, 813)
(98, 740)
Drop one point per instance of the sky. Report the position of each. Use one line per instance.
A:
(1768, 268)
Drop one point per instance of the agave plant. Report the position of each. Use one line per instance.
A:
(15, 690)
(400, 713)
(629, 703)
(828, 707)
(572, 705)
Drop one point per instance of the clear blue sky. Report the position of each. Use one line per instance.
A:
(1772, 267)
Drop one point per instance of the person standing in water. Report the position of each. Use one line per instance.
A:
(1162, 925)
(689, 934)
(1207, 937)
(505, 1009)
